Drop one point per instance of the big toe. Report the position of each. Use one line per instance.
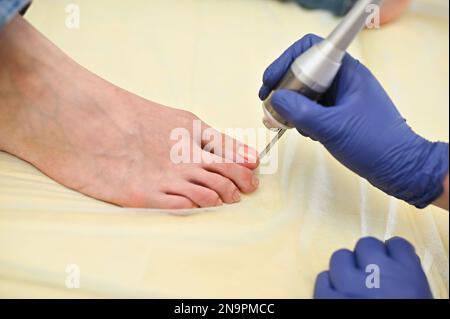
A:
(230, 149)
(247, 156)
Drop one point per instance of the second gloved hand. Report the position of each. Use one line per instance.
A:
(374, 270)
(362, 128)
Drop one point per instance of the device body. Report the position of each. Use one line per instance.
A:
(312, 73)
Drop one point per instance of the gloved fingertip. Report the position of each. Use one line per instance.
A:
(368, 250)
(323, 288)
(305, 43)
(264, 92)
(368, 241)
(304, 113)
(401, 240)
(273, 74)
(402, 250)
(291, 105)
(283, 98)
(311, 39)
(267, 76)
(284, 103)
(343, 258)
(322, 282)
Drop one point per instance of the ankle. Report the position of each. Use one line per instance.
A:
(30, 81)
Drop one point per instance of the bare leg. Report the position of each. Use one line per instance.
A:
(98, 139)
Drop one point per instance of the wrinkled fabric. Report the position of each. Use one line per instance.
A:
(208, 57)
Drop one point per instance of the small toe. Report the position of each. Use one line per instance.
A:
(227, 190)
(200, 195)
(241, 176)
(169, 201)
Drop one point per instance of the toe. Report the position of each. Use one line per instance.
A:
(200, 195)
(227, 190)
(241, 176)
(168, 201)
(229, 148)
(157, 200)
(247, 156)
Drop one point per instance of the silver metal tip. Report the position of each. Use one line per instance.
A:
(272, 143)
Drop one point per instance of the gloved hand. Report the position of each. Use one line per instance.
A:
(362, 129)
(353, 275)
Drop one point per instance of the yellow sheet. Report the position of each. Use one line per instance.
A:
(208, 57)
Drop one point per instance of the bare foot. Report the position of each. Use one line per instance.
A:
(100, 140)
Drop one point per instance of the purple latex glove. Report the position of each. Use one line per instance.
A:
(375, 270)
(362, 129)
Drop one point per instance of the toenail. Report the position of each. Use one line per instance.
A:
(236, 196)
(219, 202)
(248, 154)
(255, 181)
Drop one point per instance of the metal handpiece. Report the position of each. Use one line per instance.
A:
(272, 120)
(312, 73)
